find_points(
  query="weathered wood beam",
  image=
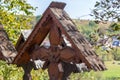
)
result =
(7, 50)
(27, 71)
(59, 5)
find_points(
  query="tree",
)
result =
(105, 10)
(14, 16)
(115, 27)
(92, 24)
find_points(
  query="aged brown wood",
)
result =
(68, 47)
(7, 50)
(1, 56)
(8, 53)
(27, 69)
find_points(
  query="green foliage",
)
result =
(113, 73)
(103, 54)
(92, 24)
(86, 76)
(40, 75)
(86, 30)
(116, 53)
(113, 70)
(14, 16)
(105, 10)
(93, 38)
(12, 72)
(89, 31)
(102, 31)
(115, 27)
(9, 72)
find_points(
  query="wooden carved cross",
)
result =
(68, 47)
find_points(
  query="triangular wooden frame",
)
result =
(56, 15)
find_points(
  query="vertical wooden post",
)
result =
(54, 72)
(27, 71)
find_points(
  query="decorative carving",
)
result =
(68, 51)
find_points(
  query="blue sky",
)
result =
(75, 8)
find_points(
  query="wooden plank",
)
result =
(58, 16)
(59, 5)
(72, 30)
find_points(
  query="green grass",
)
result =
(113, 69)
(112, 73)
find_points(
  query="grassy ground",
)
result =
(113, 70)
(113, 73)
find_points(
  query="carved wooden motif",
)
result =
(68, 47)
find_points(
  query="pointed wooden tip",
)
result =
(60, 5)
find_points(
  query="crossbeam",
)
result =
(67, 45)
